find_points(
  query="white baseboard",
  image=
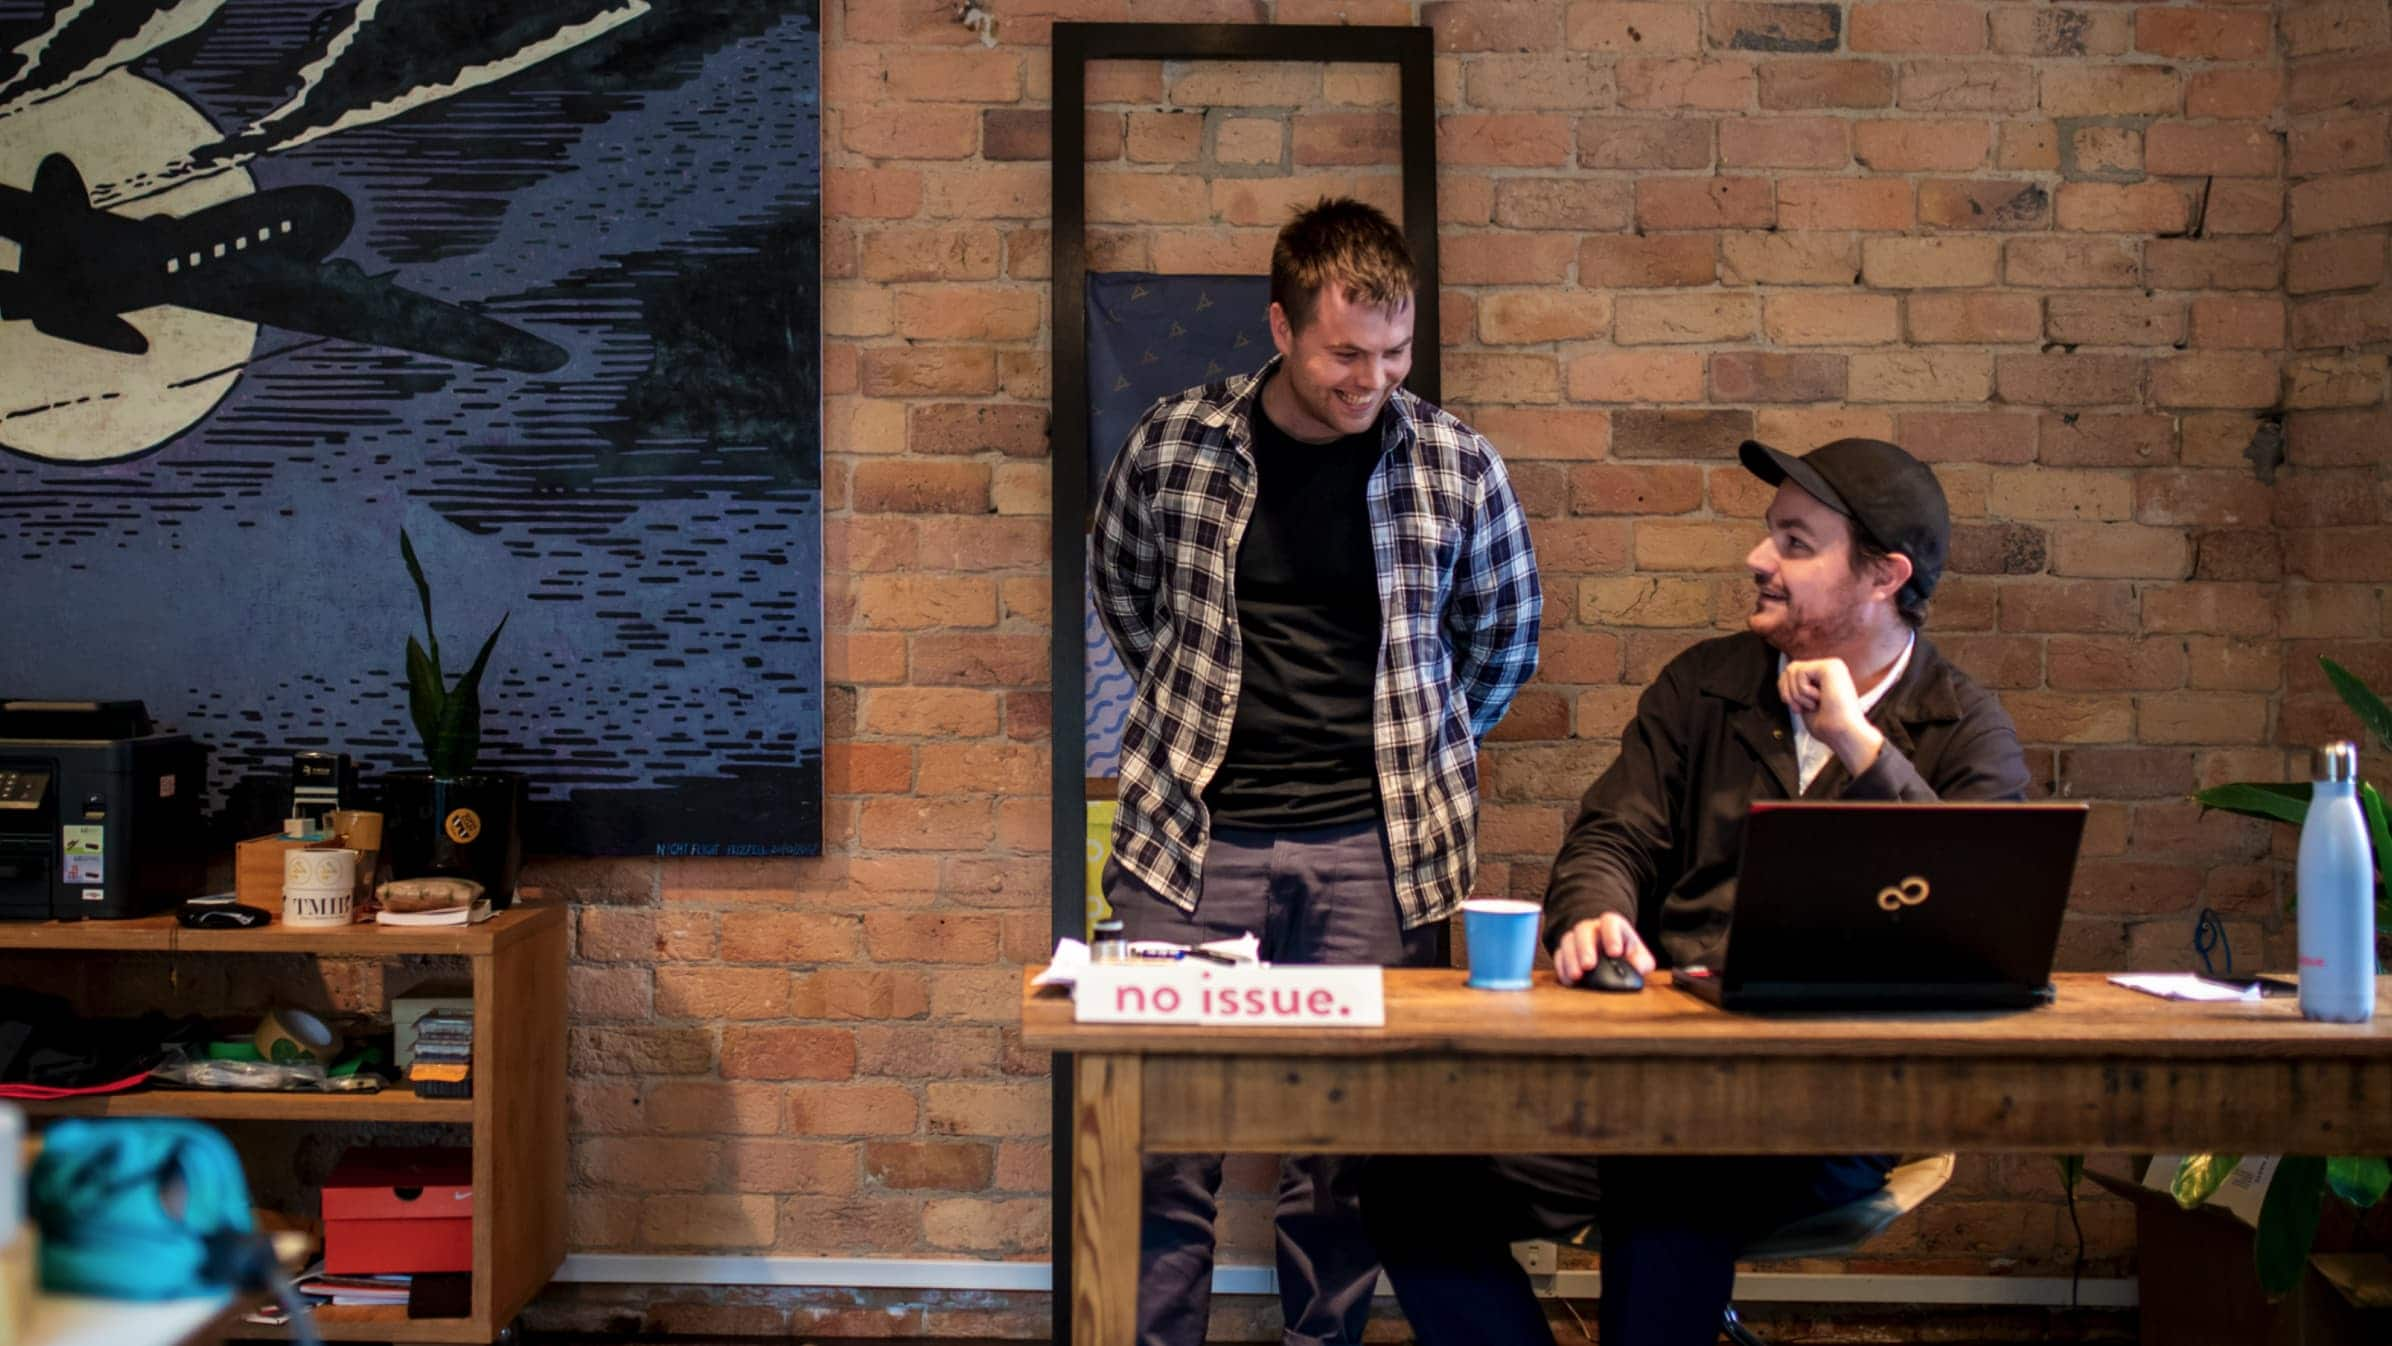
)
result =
(902, 1273)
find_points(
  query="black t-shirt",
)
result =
(1308, 615)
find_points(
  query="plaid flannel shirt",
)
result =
(1459, 608)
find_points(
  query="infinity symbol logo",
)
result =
(1908, 893)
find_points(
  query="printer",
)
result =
(99, 813)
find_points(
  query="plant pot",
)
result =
(466, 826)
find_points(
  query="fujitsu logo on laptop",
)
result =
(1908, 893)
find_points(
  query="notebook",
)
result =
(1859, 906)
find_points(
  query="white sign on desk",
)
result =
(1217, 996)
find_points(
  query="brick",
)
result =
(1933, 26)
(1616, 488)
(990, 75)
(1875, 204)
(1644, 601)
(1969, 436)
(1784, 142)
(1514, 140)
(1581, 205)
(2338, 438)
(785, 937)
(708, 1222)
(1248, 140)
(910, 131)
(926, 825)
(950, 253)
(1831, 319)
(2061, 32)
(2347, 201)
(2334, 611)
(2238, 554)
(2331, 381)
(2234, 93)
(2211, 264)
(1533, 316)
(2203, 34)
(2068, 380)
(2111, 91)
(1668, 544)
(779, 1053)
(1719, 86)
(1753, 376)
(1967, 86)
(2047, 717)
(772, 1165)
(1974, 317)
(968, 313)
(1589, 546)
(1021, 134)
(2108, 320)
(1659, 319)
(1743, 26)
(1930, 263)
(2343, 320)
(913, 487)
(721, 993)
(1995, 661)
(2123, 208)
(1507, 259)
(913, 1165)
(1524, 433)
(2339, 555)
(2070, 264)
(1633, 261)
(1344, 138)
(2215, 380)
(2075, 606)
(1626, 26)
(1160, 137)
(2240, 323)
(1910, 146)
(2028, 147)
(1493, 25)
(1679, 434)
(2337, 262)
(2035, 493)
(872, 193)
(1146, 198)
(2347, 81)
(1800, 86)
(2338, 144)
(1553, 80)
(1636, 376)
(2206, 496)
(2338, 25)
(1788, 258)
(2131, 440)
(853, 1110)
(1641, 142)
(2201, 718)
(2114, 663)
(1922, 376)
(2132, 888)
(2210, 609)
(1502, 378)
(2222, 149)
(2120, 551)
(858, 994)
(1984, 203)
(2102, 150)
(1739, 493)
(1705, 203)
(977, 427)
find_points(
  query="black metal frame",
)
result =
(1412, 52)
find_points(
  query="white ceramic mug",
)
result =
(318, 886)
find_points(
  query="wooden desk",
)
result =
(1557, 1070)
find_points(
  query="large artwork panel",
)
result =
(537, 282)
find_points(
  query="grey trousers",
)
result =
(1322, 895)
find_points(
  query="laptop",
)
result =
(1879, 906)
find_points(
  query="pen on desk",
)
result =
(1216, 956)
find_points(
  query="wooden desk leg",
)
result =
(1107, 1128)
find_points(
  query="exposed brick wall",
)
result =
(2082, 257)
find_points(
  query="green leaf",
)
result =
(2072, 1170)
(423, 591)
(2359, 1179)
(2199, 1175)
(458, 742)
(2369, 707)
(426, 697)
(2288, 1222)
(2286, 802)
(2377, 829)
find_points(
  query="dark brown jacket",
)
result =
(1658, 834)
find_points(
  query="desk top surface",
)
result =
(161, 934)
(1432, 1010)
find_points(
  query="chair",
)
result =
(1830, 1233)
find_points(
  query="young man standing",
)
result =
(1830, 694)
(1324, 588)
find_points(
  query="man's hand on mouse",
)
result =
(1588, 942)
(1821, 692)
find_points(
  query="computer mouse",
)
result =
(1612, 974)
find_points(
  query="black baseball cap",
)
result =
(1892, 498)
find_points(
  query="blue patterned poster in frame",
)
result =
(537, 282)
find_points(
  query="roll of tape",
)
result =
(291, 1035)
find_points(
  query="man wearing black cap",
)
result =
(1831, 693)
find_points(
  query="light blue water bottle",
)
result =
(2336, 882)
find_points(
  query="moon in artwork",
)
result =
(63, 401)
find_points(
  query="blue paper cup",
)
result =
(1502, 934)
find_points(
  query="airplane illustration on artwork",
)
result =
(258, 258)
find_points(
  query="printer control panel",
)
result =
(23, 790)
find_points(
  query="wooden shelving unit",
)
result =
(517, 1112)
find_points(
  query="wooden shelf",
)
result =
(369, 1322)
(398, 1104)
(160, 934)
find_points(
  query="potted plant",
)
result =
(451, 818)
(2295, 1197)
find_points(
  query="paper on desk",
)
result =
(2182, 986)
(1070, 956)
(1064, 968)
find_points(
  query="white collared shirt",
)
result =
(1810, 755)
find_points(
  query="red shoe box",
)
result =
(388, 1211)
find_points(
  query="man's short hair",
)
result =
(1344, 242)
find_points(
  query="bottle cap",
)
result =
(1111, 926)
(2335, 762)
